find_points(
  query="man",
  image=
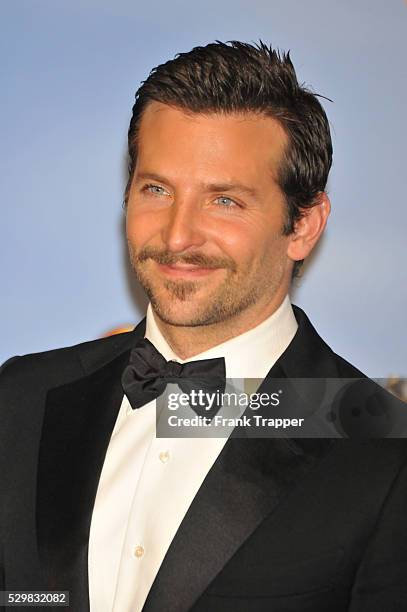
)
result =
(229, 159)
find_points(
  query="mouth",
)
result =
(183, 270)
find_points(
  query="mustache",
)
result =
(167, 258)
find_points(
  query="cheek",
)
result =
(244, 241)
(140, 227)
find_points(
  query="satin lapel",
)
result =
(245, 485)
(79, 418)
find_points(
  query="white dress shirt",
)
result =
(147, 483)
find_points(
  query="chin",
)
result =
(186, 305)
(178, 313)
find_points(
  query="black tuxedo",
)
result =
(314, 525)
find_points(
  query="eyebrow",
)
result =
(209, 187)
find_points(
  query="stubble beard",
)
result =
(227, 301)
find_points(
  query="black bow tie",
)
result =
(148, 373)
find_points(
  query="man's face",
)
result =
(205, 216)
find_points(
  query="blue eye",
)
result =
(226, 202)
(156, 189)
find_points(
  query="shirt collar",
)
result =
(249, 355)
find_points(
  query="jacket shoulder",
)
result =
(58, 365)
(346, 369)
(309, 356)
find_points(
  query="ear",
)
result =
(308, 228)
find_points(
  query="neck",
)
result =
(187, 341)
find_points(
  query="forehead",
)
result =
(233, 143)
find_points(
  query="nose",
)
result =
(182, 227)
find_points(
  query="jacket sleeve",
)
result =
(381, 580)
(2, 577)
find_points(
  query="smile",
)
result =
(182, 270)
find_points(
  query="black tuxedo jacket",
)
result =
(316, 525)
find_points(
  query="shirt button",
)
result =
(164, 456)
(138, 551)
